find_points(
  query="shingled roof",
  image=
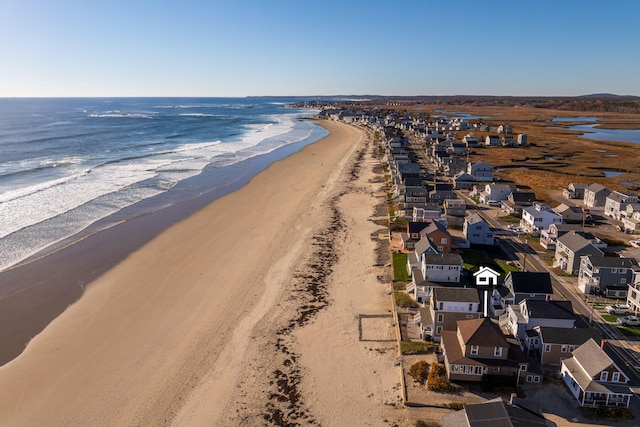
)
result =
(529, 282)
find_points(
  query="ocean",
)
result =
(71, 167)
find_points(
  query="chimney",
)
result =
(602, 343)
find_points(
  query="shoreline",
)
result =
(151, 337)
(55, 276)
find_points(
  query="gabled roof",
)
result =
(417, 226)
(595, 187)
(530, 282)
(475, 218)
(569, 336)
(612, 261)
(574, 241)
(481, 332)
(592, 358)
(523, 196)
(542, 309)
(442, 259)
(495, 413)
(456, 295)
(423, 245)
(434, 226)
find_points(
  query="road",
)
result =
(622, 350)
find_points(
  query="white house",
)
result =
(538, 217)
(480, 171)
(495, 191)
(594, 379)
(530, 313)
(617, 202)
(441, 267)
(477, 231)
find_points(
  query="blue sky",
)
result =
(330, 47)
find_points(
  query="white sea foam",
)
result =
(74, 193)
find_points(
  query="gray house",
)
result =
(556, 344)
(595, 195)
(477, 231)
(574, 191)
(569, 248)
(609, 276)
(519, 285)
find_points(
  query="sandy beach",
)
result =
(247, 312)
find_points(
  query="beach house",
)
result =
(606, 275)
(594, 379)
(478, 351)
(569, 248)
(477, 231)
(595, 195)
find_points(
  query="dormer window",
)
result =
(497, 351)
(474, 350)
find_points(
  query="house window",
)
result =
(443, 240)
(497, 351)
(477, 370)
(523, 367)
(496, 369)
(474, 350)
(536, 378)
(564, 349)
(571, 348)
(547, 348)
(440, 305)
(623, 281)
(529, 378)
(470, 307)
(604, 376)
(440, 318)
(614, 270)
(469, 316)
(438, 330)
(615, 377)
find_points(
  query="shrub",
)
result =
(437, 379)
(422, 423)
(418, 371)
(605, 412)
(456, 406)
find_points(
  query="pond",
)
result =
(611, 174)
(461, 115)
(620, 135)
(575, 119)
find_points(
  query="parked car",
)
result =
(618, 309)
(635, 243)
(629, 321)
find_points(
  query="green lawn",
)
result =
(510, 219)
(473, 259)
(400, 267)
(629, 331)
